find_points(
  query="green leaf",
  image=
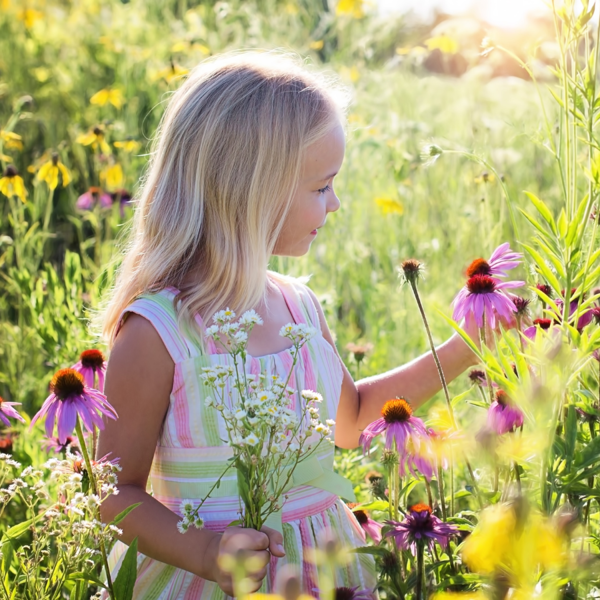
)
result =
(125, 581)
(570, 433)
(535, 223)
(543, 209)
(124, 513)
(543, 268)
(374, 550)
(562, 224)
(375, 505)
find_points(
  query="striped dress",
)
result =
(191, 454)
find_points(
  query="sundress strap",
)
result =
(299, 301)
(158, 308)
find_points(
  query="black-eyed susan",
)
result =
(485, 177)
(96, 138)
(108, 96)
(128, 145)
(50, 171)
(171, 73)
(11, 140)
(12, 184)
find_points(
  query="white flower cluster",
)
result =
(190, 517)
(299, 333)
(231, 333)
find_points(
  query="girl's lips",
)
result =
(313, 232)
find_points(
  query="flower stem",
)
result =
(440, 478)
(413, 285)
(487, 375)
(420, 591)
(88, 466)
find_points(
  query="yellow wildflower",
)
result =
(291, 8)
(516, 545)
(11, 140)
(112, 176)
(105, 96)
(390, 206)
(316, 45)
(29, 16)
(12, 184)
(485, 177)
(94, 138)
(5, 158)
(128, 145)
(443, 43)
(49, 172)
(353, 8)
(172, 72)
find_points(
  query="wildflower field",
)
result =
(488, 491)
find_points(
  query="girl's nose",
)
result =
(333, 202)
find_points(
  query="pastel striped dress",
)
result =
(191, 454)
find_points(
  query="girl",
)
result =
(243, 169)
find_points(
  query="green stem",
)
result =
(88, 466)
(420, 590)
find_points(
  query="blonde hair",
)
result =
(223, 171)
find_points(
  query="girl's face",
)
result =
(315, 197)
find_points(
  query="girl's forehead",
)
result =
(323, 159)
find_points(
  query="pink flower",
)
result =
(70, 399)
(90, 363)
(407, 433)
(503, 259)
(94, 194)
(372, 528)
(53, 443)
(538, 324)
(503, 416)
(7, 410)
(420, 526)
(484, 295)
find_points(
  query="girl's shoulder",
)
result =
(300, 298)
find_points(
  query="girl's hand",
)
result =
(254, 544)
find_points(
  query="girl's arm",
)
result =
(139, 379)
(361, 402)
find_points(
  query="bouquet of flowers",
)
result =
(270, 426)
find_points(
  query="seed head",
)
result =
(481, 284)
(420, 507)
(389, 458)
(502, 398)
(67, 382)
(412, 269)
(397, 410)
(545, 288)
(10, 171)
(93, 359)
(543, 323)
(522, 305)
(479, 266)
(477, 377)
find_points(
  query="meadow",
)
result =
(82, 89)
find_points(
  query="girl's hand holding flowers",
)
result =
(247, 549)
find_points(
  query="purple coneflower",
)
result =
(417, 461)
(503, 259)
(69, 399)
(399, 426)
(347, 593)
(92, 196)
(371, 527)
(477, 377)
(585, 317)
(420, 526)
(484, 294)
(503, 416)
(7, 410)
(53, 443)
(92, 362)
(538, 324)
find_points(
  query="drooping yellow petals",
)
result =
(171, 73)
(12, 185)
(50, 171)
(352, 8)
(94, 138)
(11, 140)
(112, 176)
(108, 96)
(390, 206)
(128, 145)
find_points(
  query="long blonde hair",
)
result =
(224, 168)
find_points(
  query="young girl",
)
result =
(243, 169)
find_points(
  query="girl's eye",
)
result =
(325, 189)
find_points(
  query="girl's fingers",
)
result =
(275, 541)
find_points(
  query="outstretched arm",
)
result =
(361, 402)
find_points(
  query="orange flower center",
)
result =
(502, 398)
(479, 266)
(92, 358)
(481, 284)
(361, 516)
(67, 382)
(420, 507)
(396, 411)
(543, 323)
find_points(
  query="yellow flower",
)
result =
(11, 140)
(443, 43)
(516, 545)
(112, 176)
(128, 145)
(172, 72)
(29, 16)
(485, 177)
(5, 158)
(12, 184)
(94, 138)
(316, 45)
(49, 172)
(352, 73)
(105, 96)
(353, 8)
(390, 206)
(402, 50)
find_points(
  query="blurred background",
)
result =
(83, 85)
